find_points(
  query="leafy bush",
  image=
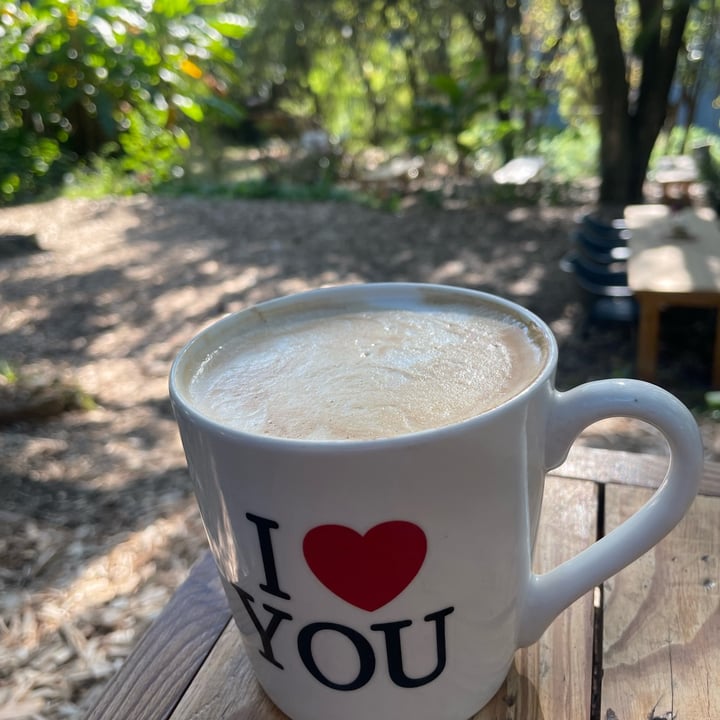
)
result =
(94, 77)
(454, 106)
(572, 152)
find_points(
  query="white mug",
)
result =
(392, 578)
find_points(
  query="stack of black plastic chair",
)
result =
(597, 258)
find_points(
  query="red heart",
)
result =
(369, 570)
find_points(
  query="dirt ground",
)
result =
(97, 521)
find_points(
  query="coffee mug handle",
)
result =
(550, 593)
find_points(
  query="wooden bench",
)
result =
(646, 645)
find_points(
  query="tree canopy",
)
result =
(479, 80)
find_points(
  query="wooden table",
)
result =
(645, 646)
(675, 261)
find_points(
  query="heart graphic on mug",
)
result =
(370, 570)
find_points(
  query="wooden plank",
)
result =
(626, 468)
(225, 687)
(662, 619)
(165, 661)
(551, 679)
(648, 335)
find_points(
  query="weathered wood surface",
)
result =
(226, 688)
(553, 677)
(661, 622)
(662, 619)
(673, 252)
(626, 468)
(156, 675)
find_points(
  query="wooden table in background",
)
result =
(674, 261)
(645, 645)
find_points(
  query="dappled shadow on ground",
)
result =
(123, 284)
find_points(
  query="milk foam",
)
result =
(366, 373)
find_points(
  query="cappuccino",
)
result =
(365, 371)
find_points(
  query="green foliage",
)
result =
(8, 372)
(25, 158)
(389, 73)
(450, 108)
(266, 189)
(572, 153)
(110, 95)
(92, 77)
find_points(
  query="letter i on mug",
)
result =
(369, 464)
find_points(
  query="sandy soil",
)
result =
(97, 520)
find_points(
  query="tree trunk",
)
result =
(629, 130)
(495, 27)
(612, 101)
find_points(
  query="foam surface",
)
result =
(365, 374)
